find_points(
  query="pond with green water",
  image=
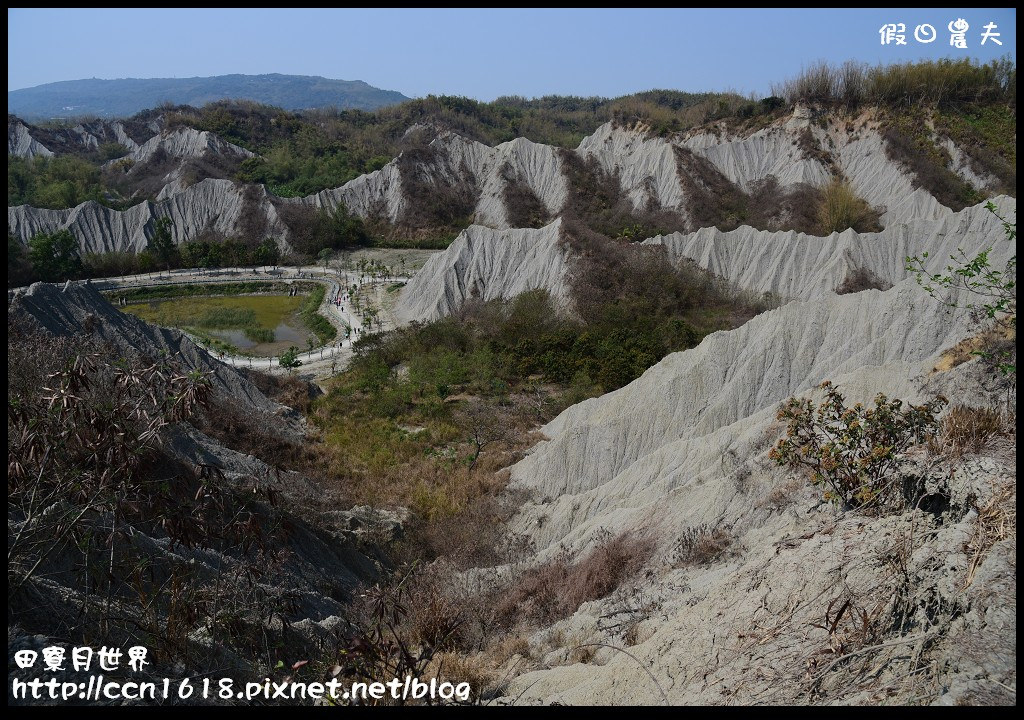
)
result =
(262, 325)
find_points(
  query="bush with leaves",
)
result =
(161, 243)
(290, 358)
(995, 288)
(54, 256)
(857, 452)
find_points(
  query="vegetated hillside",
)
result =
(133, 449)
(816, 161)
(613, 486)
(306, 152)
(656, 537)
(124, 97)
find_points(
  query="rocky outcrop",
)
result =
(652, 172)
(683, 450)
(209, 206)
(29, 141)
(755, 624)
(795, 151)
(798, 266)
(454, 159)
(490, 264)
(91, 135)
(772, 151)
(184, 143)
(78, 309)
(648, 169)
(961, 165)
(684, 447)
(486, 264)
(612, 460)
(173, 160)
(20, 142)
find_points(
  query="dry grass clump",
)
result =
(942, 82)
(782, 494)
(995, 341)
(997, 520)
(556, 589)
(860, 279)
(286, 389)
(226, 421)
(476, 669)
(700, 545)
(967, 430)
(434, 614)
(523, 207)
(841, 209)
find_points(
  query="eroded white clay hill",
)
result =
(487, 264)
(85, 136)
(798, 266)
(652, 172)
(685, 447)
(491, 264)
(929, 598)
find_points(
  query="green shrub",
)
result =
(995, 288)
(54, 256)
(857, 452)
(259, 335)
(991, 291)
(60, 182)
(909, 141)
(112, 151)
(221, 318)
(290, 358)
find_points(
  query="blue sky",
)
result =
(480, 53)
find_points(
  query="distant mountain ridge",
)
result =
(126, 96)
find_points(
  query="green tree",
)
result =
(161, 244)
(290, 358)
(267, 252)
(54, 256)
(324, 256)
(59, 182)
(19, 269)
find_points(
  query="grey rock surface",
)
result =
(798, 266)
(646, 167)
(20, 142)
(486, 264)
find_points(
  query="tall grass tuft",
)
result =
(941, 82)
(841, 209)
